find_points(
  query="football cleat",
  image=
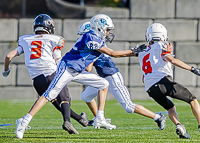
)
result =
(20, 120)
(161, 122)
(67, 126)
(182, 132)
(83, 121)
(91, 122)
(103, 124)
(21, 126)
(199, 127)
(108, 120)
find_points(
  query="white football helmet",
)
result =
(85, 27)
(156, 32)
(100, 23)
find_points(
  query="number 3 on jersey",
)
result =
(36, 52)
(146, 67)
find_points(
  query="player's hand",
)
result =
(138, 48)
(6, 73)
(195, 71)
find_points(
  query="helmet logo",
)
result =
(87, 27)
(103, 22)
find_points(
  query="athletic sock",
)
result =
(100, 114)
(75, 116)
(157, 117)
(27, 119)
(65, 110)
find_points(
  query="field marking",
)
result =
(2, 125)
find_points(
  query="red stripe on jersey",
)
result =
(169, 50)
(57, 47)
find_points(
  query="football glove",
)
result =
(6, 73)
(195, 71)
(138, 48)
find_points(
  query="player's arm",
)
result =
(57, 51)
(7, 61)
(57, 56)
(177, 62)
(123, 53)
(181, 64)
(167, 56)
(112, 53)
(89, 67)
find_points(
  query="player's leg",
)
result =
(61, 79)
(121, 93)
(41, 84)
(159, 91)
(185, 95)
(101, 84)
(64, 100)
(196, 110)
(93, 107)
(88, 96)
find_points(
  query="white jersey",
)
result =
(38, 52)
(152, 63)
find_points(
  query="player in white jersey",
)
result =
(106, 68)
(42, 54)
(155, 63)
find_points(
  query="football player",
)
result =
(42, 54)
(155, 63)
(105, 67)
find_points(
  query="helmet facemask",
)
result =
(110, 37)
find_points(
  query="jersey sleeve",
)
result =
(60, 44)
(93, 42)
(20, 50)
(166, 49)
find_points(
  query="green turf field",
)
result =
(46, 125)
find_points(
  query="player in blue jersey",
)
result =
(87, 49)
(105, 67)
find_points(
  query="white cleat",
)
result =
(20, 120)
(108, 120)
(20, 128)
(103, 124)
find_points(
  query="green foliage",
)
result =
(111, 3)
(46, 125)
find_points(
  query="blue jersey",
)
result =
(105, 66)
(84, 52)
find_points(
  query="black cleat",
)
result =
(83, 121)
(67, 126)
(161, 122)
(199, 127)
(182, 132)
(90, 122)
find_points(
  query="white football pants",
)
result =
(117, 88)
(65, 74)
